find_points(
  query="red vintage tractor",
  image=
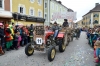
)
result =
(45, 41)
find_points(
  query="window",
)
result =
(60, 10)
(96, 15)
(45, 4)
(57, 8)
(52, 6)
(1, 4)
(40, 2)
(21, 9)
(31, 11)
(45, 16)
(39, 13)
(31, 1)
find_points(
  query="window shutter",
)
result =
(33, 12)
(41, 13)
(18, 9)
(24, 10)
(29, 11)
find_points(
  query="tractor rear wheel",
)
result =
(62, 46)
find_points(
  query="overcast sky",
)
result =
(80, 6)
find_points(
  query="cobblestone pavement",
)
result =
(78, 53)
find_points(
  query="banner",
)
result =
(71, 16)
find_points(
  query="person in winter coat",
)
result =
(56, 30)
(2, 37)
(65, 23)
(8, 37)
(15, 41)
(12, 34)
(27, 27)
(96, 53)
(31, 30)
(77, 31)
(24, 38)
(55, 27)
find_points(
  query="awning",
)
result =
(31, 18)
(19, 16)
(42, 20)
(5, 14)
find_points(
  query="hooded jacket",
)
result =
(7, 32)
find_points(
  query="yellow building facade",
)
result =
(34, 8)
(79, 23)
(86, 20)
(92, 18)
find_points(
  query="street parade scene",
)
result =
(49, 33)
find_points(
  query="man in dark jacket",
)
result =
(2, 37)
(31, 30)
(65, 24)
(55, 26)
(56, 29)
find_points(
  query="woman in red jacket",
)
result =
(8, 37)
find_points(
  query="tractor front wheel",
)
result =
(51, 53)
(29, 50)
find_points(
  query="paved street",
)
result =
(78, 53)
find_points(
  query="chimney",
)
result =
(96, 4)
(59, 2)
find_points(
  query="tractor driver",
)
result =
(56, 29)
(65, 23)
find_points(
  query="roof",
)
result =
(70, 10)
(95, 9)
(59, 2)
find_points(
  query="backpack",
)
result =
(98, 52)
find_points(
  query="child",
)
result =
(96, 46)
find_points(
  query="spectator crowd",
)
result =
(13, 36)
